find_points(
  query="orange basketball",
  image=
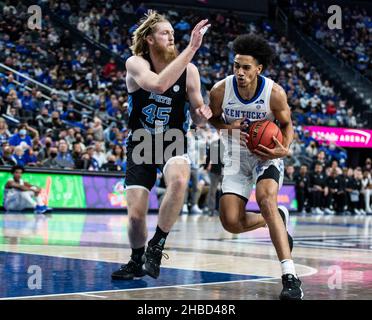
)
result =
(262, 132)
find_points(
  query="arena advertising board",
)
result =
(78, 191)
(286, 197)
(102, 192)
(343, 137)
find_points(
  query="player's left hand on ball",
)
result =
(265, 153)
(204, 112)
(244, 137)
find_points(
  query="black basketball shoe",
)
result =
(284, 213)
(291, 288)
(128, 271)
(152, 259)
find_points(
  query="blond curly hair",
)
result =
(147, 26)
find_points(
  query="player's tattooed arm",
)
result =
(139, 73)
(281, 111)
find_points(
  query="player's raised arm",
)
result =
(139, 69)
(200, 113)
(215, 103)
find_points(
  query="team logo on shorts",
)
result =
(176, 88)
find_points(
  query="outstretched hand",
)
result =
(197, 34)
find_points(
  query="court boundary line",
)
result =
(313, 271)
(132, 289)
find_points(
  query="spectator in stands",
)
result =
(120, 140)
(320, 159)
(64, 157)
(27, 102)
(111, 165)
(51, 160)
(307, 138)
(368, 165)
(367, 190)
(214, 167)
(289, 174)
(203, 190)
(19, 156)
(6, 157)
(352, 45)
(317, 188)
(351, 120)
(43, 120)
(127, 8)
(99, 153)
(297, 146)
(120, 156)
(89, 139)
(311, 149)
(4, 132)
(57, 125)
(193, 153)
(359, 206)
(335, 200)
(76, 152)
(22, 136)
(80, 140)
(94, 164)
(141, 11)
(337, 153)
(302, 188)
(101, 113)
(352, 189)
(97, 129)
(109, 68)
(85, 162)
(70, 137)
(46, 143)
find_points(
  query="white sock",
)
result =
(39, 200)
(288, 267)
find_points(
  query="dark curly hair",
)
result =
(17, 167)
(255, 46)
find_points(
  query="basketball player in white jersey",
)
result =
(244, 97)
(20, 195)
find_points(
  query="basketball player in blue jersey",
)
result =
(159, 81)
(244, 97)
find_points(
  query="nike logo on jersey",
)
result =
(260, 101)
(230, 103)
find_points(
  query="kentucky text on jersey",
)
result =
(256, 108)
(245, 114)
(161, 99)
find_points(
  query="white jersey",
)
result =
(235, 107)
(243, 168)
(11, 191)
(15, 199)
